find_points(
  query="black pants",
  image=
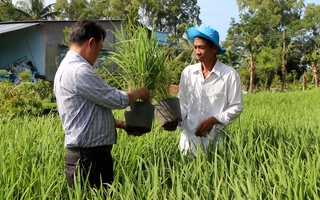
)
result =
(93, 165)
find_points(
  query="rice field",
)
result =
(270, 152)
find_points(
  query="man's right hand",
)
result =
(145, 93)
(141, 93)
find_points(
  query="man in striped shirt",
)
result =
(85, 103)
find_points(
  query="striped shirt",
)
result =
(85, 102)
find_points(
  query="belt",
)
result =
(104, 148)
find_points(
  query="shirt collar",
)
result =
(216, 68)
(78, 56)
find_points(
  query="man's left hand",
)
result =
(122, 124)
(205, 126)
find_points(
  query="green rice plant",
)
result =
(141, 59)
(270, 152)
(30, 154)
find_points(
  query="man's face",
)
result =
(93, 48)
(96, 47)
(202, 50)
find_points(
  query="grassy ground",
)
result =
(271, 152)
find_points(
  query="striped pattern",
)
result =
(85, 102)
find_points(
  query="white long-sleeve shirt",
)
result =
(218, 95)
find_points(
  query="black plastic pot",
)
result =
(168, 111)
(139, 117)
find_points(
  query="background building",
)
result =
(40, 43)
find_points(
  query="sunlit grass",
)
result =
(271, 152)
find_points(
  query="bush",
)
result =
(25, 98)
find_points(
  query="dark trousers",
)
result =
(93, 165)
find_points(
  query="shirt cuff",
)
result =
(125, 98)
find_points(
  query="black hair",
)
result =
(84, 30)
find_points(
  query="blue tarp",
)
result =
(13, 75)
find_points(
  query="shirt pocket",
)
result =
(216, 97)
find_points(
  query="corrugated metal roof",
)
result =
(5, 28)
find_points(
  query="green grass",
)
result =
(270, 152)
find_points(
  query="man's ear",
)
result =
(90, 42)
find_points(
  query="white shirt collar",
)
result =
(216, 68)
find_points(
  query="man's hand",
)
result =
(172, 126)
(141, 93)
(135, 133)
(122, 124)
(205, 126)
(145, 94)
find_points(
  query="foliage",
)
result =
(141, 59)
(167, 15)
(266, 79)
(245, 77)
(261, 150)
(162, 15)
(35, 10)
(271, 19)
(269, 57)
(25, 98)
(230, 58)
(112, 76)
(179, 53)
(175, 67)
(62, 7)
(66, 32)
(7, 11)
(267, 19)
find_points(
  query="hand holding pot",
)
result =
(122, 124)
(145, 93)
(172, 126)
(141, 93)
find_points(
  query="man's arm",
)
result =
(122, 124)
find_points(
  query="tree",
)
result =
(267, 18)
(167, 15)
(252, 45)
(268, 60)
(35, 10)
(7, 11)
(162, 15)
(230, 58)
(311, 22)
(63, 7)
(73, 10)
(179, 53)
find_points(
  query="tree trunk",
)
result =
(251, 74)
(315, 73)
(284, 61)
(304, 81)
(266, 83)
(284, 72)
